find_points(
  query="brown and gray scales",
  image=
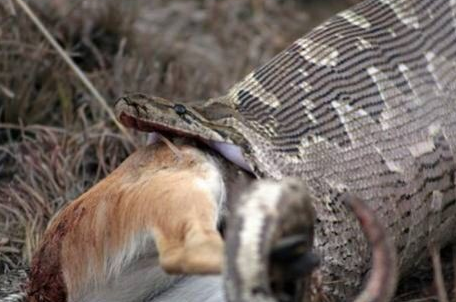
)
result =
(366, 103)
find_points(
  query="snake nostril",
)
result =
(180, 109)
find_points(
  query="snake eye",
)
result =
(180, 109)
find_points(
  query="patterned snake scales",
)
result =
(365, 104)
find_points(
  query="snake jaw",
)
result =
(154, 114)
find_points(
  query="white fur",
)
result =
(212, 180)
(147, 282)
(194, 289)
(136, 246)
(266, 195)
(142, 281)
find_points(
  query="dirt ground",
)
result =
(56, 140)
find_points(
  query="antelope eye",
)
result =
(180, 109)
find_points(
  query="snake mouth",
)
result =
(151, 127)
(231, 152)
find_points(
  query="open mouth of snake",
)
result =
(232, 153)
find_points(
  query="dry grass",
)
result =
(51, 166)
(55, 139)
(176, 49)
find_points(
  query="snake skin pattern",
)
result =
(366, 104)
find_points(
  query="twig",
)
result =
(454, 273)
(7, 92)
(31, 127)
(9, 5)
(438, 275)
(96, 94)
(4, 241)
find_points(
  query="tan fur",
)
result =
(154, 192)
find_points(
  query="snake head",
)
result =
(210, 122)
(195, 120)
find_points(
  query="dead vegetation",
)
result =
(56, 140)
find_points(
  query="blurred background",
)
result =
(55, 138)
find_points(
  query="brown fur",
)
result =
(152, 191)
